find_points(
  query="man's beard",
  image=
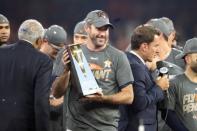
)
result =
(95, 40)
(194, 68)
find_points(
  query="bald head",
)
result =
(30, 30)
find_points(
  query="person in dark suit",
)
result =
(144, 43)
(25, 82)
(176, 66)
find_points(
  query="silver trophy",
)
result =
(85, 80)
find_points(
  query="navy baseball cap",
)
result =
(56, 35)
(160, 25)
(190, 47)
(98, 18)
(3, 19)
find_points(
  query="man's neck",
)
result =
(138, 54)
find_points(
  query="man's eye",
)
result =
(7, 27)
(83, 37)
(76, 37)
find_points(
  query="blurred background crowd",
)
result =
(125, 15)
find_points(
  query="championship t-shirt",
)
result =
(183, 99)
(112, 72)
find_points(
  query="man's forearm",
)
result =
(125, 96)
(60, 85)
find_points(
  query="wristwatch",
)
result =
(52, 97)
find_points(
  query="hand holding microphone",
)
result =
(162, 80)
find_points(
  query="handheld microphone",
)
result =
(162, 68)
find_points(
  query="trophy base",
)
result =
(91, 92)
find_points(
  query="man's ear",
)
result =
(144, 46)
(38, 43)
(187, 59)
(87, 27)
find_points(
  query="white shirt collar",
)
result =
(27, 41)
(138, 56)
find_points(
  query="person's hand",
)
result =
(152, 65)
(56, 102)
(97, 97)
(163, 82)
(66, 60)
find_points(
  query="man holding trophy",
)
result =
(110, 69)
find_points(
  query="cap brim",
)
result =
(173, 69)
(180, 56)
(103, 23)
(56, 46)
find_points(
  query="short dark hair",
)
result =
(143, 34)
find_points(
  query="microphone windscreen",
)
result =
(160, 64)
(162, 68)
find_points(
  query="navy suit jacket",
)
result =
(146, 96)
(24, 88)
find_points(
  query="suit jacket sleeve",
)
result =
(41, 95)
(145, 89)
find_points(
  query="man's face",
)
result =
(80, 38)
(192, 61)
(152, 48)
(164, 48)
(172, 39)
(98, 36)
(4, 32)
(50, 49)
(54, 50)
